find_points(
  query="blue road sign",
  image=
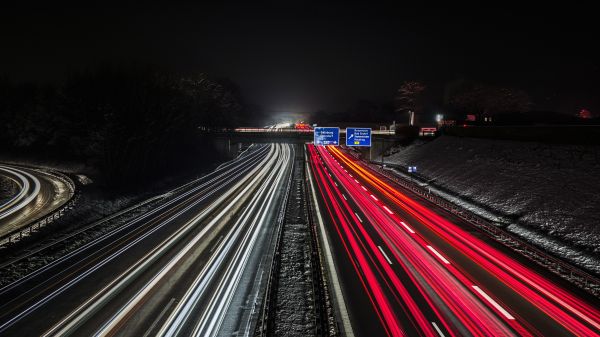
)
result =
(358, 136)
(327, 136)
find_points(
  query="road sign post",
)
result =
(327, 136)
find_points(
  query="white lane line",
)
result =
(494, 303)
(388, 210)
(216, 244)
(335, 183)
(359, 219)
(364, 188)
(356, 181)
(160, 316)
(384, 255)
(350, 175)
(344, 197)
(438, 254)
(438, 329)
(407, 228)
(374, 198)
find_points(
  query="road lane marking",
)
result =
(388, 210)
(356, 181)
(438, 329)
(364, 188)
(344, 197)
(374, 198)
(384, 255)
(335, 183)
(438, 254)
(160, 316)
(359, 219)
(216, 244)
(494, 303)
(407, 228)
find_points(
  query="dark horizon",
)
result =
(305, 58)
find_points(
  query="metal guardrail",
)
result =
(563, 269)
(28, 230)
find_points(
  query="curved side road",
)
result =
(39, 194)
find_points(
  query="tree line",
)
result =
(131, 123)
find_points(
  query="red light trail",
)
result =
(437, 295)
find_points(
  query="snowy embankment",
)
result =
(547, 194)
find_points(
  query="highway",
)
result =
(408, 268)
(193, 266)
(38, 194)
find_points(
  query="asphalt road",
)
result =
(38, 194)
(193, 266)
(409, 269)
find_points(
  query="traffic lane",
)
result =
(409, 310)
(131, 309)
(161, 300)
(52, 311)
(112, 269)
(527, 311)
(243, 313)
(479, 234)
(362, 312)
(107, 245)
(521, 301)
(217, 274)
(134, 226)
(444, 301)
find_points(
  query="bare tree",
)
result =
(410, 99)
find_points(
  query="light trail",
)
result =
(446, 287)
(252, 222)
(230, 182)
(98, 300)
(29, 189)
(565, 309)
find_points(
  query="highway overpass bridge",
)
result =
(232, 140)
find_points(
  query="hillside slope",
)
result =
(548, 194)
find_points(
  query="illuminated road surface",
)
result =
(191, 267)
(38, 194)
(407, 270)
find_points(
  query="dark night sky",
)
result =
(300, 57)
